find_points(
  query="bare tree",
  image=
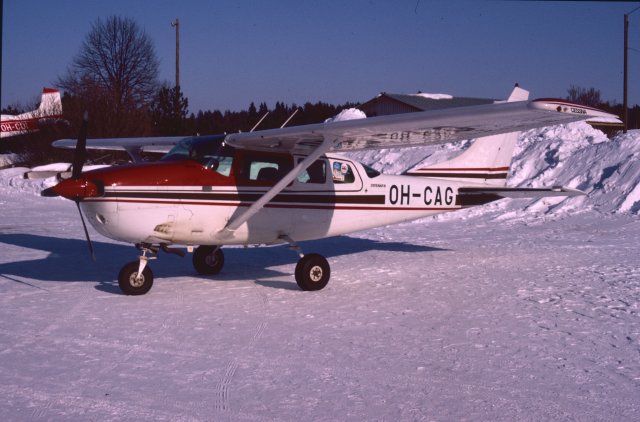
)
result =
(114, 76)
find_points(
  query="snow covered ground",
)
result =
(518, 310)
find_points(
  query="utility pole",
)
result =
(625, 112)
(625, 104)
(176, 24)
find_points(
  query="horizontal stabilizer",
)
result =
(470, 196)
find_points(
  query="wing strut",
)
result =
(242, 218)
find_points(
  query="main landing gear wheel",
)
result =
(208, 260)
(312, 272)
(133, 284)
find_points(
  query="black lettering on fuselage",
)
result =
(448, 196)
(405, 194)
(393, 194)
(400, 195)
(436, 197)
(427, 195)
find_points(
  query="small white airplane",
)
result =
(49, 111)
(285, 186)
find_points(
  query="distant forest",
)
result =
(35, 148)
(209, 122)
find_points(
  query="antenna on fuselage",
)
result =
(259, 121)
(290, 117)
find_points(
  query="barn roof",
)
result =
(422, 103)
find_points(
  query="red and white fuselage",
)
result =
(136, 206)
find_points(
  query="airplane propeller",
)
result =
(86, 232)
(75, 188)
(79, 157)
(80, 154)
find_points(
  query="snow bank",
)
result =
(12, 181)
(574, 155)
(578, 156)
(7, 160)
(53, 167)
(348, 114)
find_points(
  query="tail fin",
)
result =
(486, 161)
(50, 103)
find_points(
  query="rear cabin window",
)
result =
(266, 169)
(342, 172)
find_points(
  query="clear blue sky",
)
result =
(236, 52)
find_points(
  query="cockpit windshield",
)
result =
(210, 151)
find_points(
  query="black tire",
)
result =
(207, 260)
(312, 272)
(127, 279)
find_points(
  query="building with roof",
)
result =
(386, 103)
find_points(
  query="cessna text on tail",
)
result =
(50, 110)
(288, 185)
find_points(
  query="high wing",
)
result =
(418, 129)
(133, 146)
(399, 130)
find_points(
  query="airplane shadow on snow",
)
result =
(69, 260)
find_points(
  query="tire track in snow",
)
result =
(221, 404)
(222, 393)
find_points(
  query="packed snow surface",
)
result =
(518, 310)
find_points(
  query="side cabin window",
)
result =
(265, 169)
(316, 173)
(342, 172)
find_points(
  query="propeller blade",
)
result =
(86, 232)
(80, 154)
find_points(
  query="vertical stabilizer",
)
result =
(50, 103)
(486, 161)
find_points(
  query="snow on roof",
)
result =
(434, 96)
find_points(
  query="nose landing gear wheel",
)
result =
(312, 272)
(208, 260)
(132, 284)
